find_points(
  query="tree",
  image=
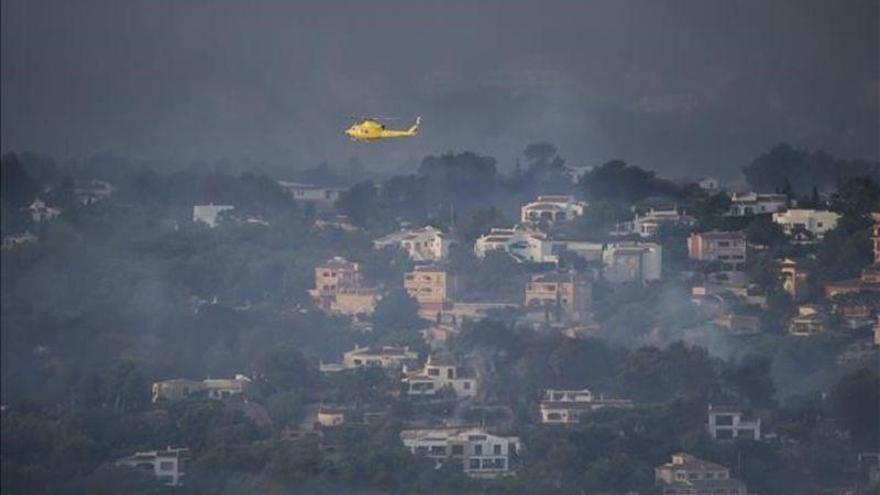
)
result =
(285, 369)
(397, 313)
(480, 222)
(763, 231)
(856, 400)
(803, 170)
(750, 379)
(359, 202)
(619, 181)
(17, 187)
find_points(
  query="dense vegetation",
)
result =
(126, 291)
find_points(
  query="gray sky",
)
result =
(683, 87)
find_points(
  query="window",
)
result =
(693, 476)
(450, 373)
(724, 419)
(358, 362)
(554, 416)
(746, 432)
(467, 385)
(438, 450)
(458, 450)
(166, 466)
(724, 434)
(478, 449)
(433, 372)
(474, 464)
(496, 449)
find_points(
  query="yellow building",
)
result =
(431, 286)
(338, 288)
(567, 294)
(794, 277)
(876, 236)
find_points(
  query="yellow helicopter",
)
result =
(372, 130)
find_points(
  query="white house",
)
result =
(91, 191)
(567, 406)
(209, 213)
(482, 454)
(215, 388)
(39, 211)
(422, 244)
(709, 184)
(728, 423)
(439, 373)
(524, 244)
(632, 262)
(552, 209)
(816, 222)
(388, 357)
(688, 475)
(14, 240)
(648, 223)
(587, 251)
(321, 196)
(166, 465)
(745, 204)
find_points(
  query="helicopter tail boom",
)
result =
(415, 127)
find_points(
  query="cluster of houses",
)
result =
(549, 296)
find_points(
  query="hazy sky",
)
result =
(679, 86)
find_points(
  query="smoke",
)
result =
(694, 87)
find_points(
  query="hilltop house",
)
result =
(15, 240)
(631, 262)
(687, 475)
(875, 237)
(91, 191)
(166, 465)
(809, 320)
(728, 423)
(552, 209)
(746, 204)
(794, 277)
(422, 244)
(481, 454)
(813, 222)
(523, 244)
(322, 197)
(339, 289)
(39, 211)
(439, 373)
(647, 224)
(432, 286)
(585, 250)
(181, 388)
(388, 357)
(709, 184)
(567, 295)
(210, 214)
(567, 406)
(727, 248)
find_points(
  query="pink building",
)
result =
(729, 248)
